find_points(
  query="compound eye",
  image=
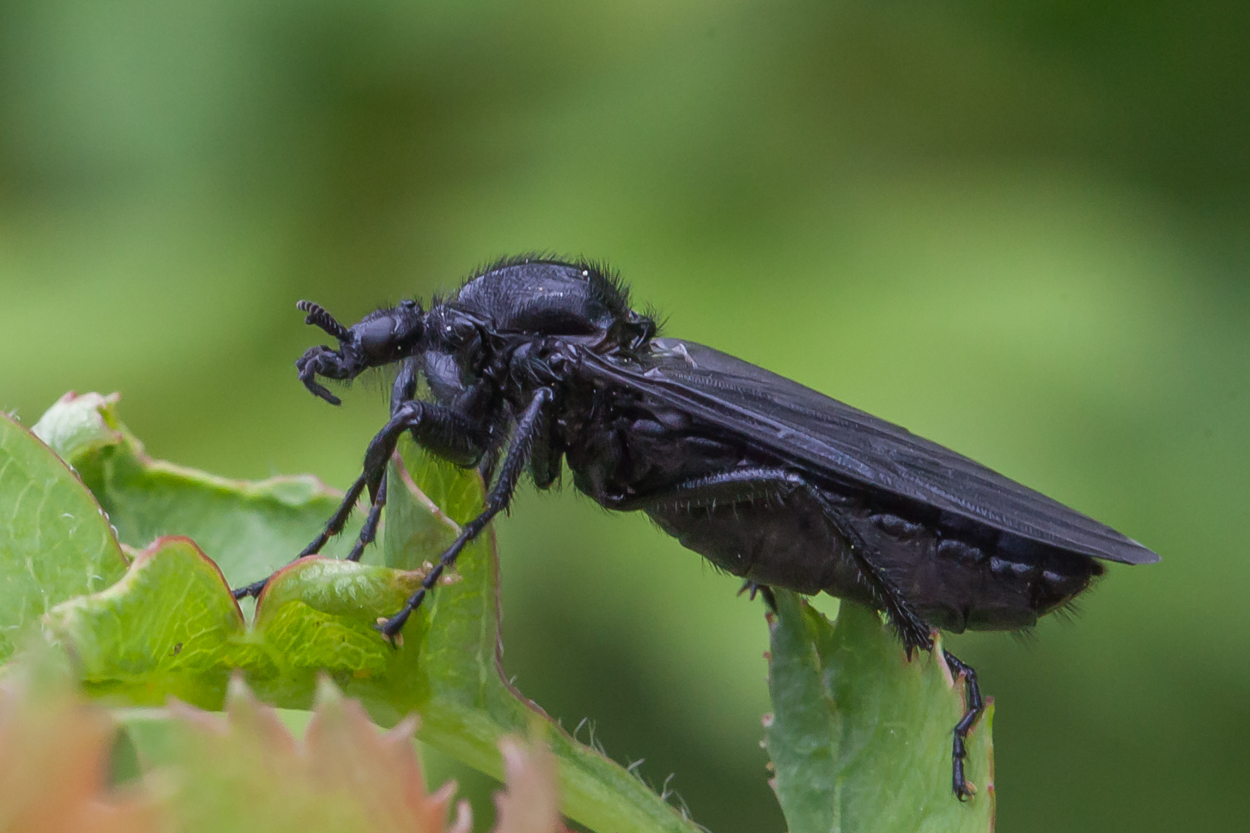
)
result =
(377, 338)
(408, 330)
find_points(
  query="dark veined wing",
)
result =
(823, 434)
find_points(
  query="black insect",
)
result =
(538, 361)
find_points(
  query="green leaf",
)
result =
(318, 615)
(251, 528)
(55, 542)
(861, 736)
(171, 627)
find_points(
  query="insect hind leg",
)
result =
(915, 633)
(911, 628)
(974, 707)
(497, 501)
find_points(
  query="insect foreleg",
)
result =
(500, 495)
(435, 427)
(321, 361)
(405, 386)
(370, 528)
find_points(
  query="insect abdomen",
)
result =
(778, 541)
(997, 584)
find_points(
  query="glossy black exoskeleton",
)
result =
(540, 362)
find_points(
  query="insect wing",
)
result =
(826, 436)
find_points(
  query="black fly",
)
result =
(540, 362)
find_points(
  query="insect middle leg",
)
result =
(514, 463)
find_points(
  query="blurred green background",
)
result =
(1022, 230)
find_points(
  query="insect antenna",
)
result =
(318, 316)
